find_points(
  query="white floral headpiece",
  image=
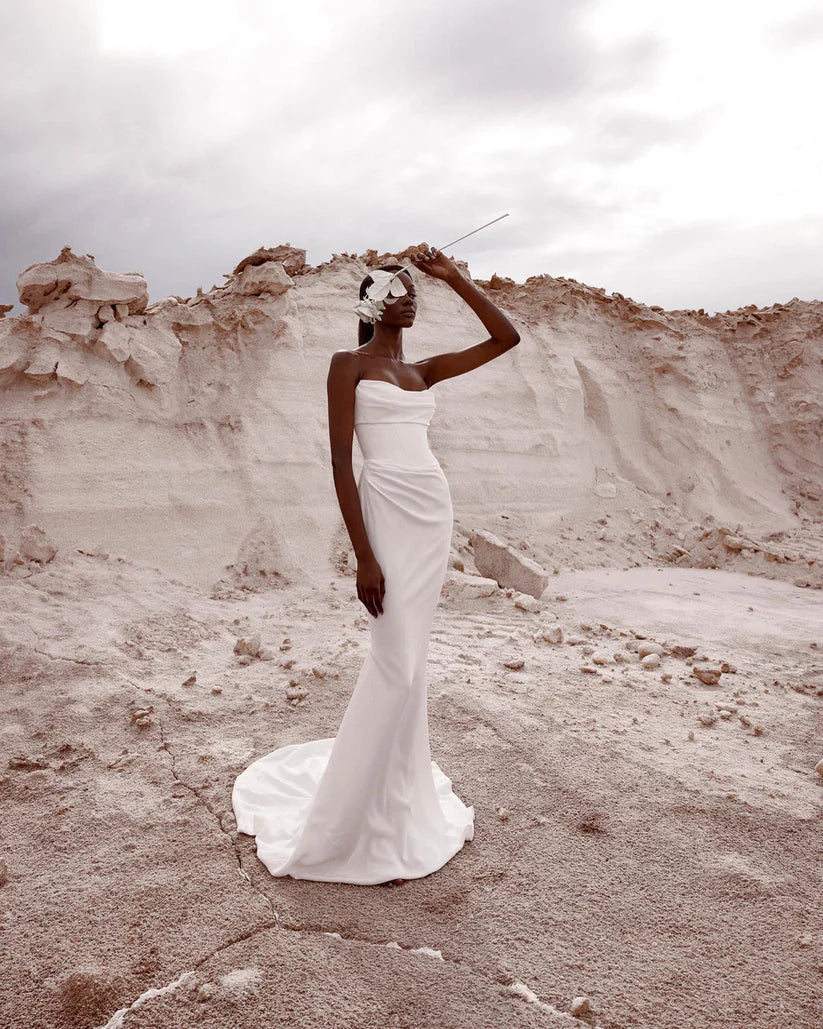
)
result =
(386, 288)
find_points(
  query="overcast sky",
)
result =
(669, 152)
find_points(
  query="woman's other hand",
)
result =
(371, 587)
(435, 263)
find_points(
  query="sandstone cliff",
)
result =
(191, 433)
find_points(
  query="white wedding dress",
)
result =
(370, 805)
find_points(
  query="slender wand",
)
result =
(456, 240)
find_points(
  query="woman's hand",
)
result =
(435, 263)
(371, 587)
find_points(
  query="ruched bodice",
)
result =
(391, 423)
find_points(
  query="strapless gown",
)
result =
(370, 804)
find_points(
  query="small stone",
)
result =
(590, 669)
(580, 1006)
(503, 814)
(206, 992)
(35, 545)
(552, 634)
(600, 657)
(192, 679)
(707, 717)
(515, 664)
(651, 661)
(250, 646)
(650, 648)
(682, 650)
(707, 674)
(819, 767)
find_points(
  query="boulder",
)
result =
(506, 565)
(70, 278)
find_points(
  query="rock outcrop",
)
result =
(176, 432)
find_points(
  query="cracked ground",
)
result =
(643, 839)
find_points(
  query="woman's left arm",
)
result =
(503, 334)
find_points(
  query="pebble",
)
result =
(819, 767)
(580, 1006)
(600, 657)
(552, 633)
(707, 674)
(682, 650)
(650, 648)
(651, 661)
(250, 646)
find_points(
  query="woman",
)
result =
(369, 805)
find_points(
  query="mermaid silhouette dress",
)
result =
(370, 804)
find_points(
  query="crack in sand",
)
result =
(217, 817)
(508, 985)
(118, 1018)
(196, 793)
(513, 987)
(73, 660)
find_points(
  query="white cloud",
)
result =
(665, 152)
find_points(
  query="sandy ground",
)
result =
(643, 839)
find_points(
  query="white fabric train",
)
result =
(370, 805)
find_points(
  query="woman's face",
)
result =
(404, 308)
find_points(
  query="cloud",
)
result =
(178, 144)
(803, 30)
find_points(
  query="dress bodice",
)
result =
(391, 423)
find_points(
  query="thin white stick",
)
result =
(506, 215)
(472, 232)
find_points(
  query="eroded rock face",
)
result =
(82, 323)
(70, 280)
(176, 431)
